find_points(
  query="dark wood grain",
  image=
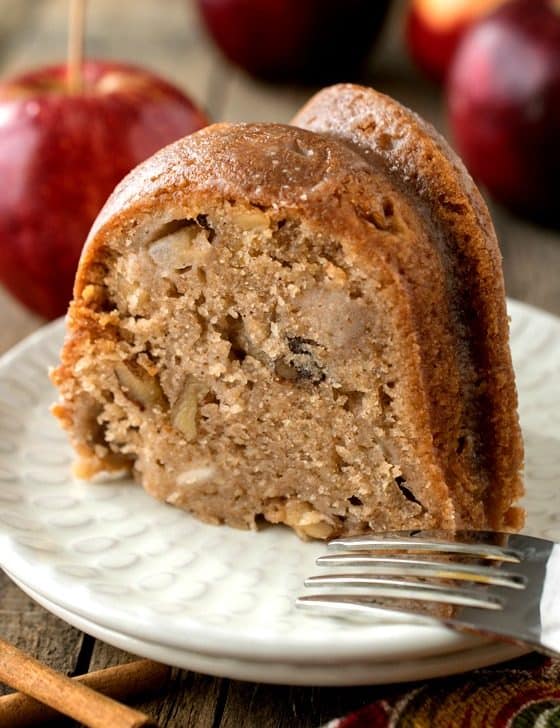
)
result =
(252, 704)
(28, 626)
(190, 698)
(167, 37)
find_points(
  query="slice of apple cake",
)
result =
(268, 326)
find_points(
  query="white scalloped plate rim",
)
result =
(326, 674)
(75, 552)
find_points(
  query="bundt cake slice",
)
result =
(267, 325)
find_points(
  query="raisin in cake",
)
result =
(272, 324)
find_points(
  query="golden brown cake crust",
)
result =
(413, 153)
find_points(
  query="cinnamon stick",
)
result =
(73, 697)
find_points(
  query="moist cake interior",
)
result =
(240, 335)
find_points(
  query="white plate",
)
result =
(115, 557)
(285, 673)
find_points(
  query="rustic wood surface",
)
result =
(166, 36)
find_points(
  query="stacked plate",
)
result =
(152, 580)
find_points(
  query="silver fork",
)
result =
(505, 586)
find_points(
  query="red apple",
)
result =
(435, 27)
(504, 104)
(298, 40)
(61, 154)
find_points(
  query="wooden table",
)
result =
(166, 37)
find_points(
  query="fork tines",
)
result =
(399, 566)
(396, 567)
(412, 544)
(498, 585)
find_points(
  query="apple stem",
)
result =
(75, 57)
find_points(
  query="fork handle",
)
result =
(24, 673)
